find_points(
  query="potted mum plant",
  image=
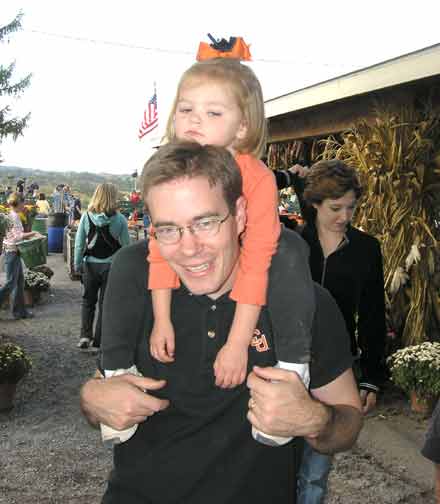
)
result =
(14, 365)
(35, 283)
(416, 370)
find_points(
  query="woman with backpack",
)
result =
(102, 231)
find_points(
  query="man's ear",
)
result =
(240, 213)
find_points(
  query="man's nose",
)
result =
(190, 245)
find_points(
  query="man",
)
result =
(58, 202)
(75, 209)
(20, 186)
(66, 198)
(194, 443)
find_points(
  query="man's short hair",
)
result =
(179, 160)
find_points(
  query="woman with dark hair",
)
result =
(348, 263)
(14, 270)
(102, 231)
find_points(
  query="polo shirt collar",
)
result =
(206, 300)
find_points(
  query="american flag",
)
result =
(151, 118)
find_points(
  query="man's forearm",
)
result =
(340, 430)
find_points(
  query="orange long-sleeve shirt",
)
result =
(259, 242)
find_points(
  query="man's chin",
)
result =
(199, 288)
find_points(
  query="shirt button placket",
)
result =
(211, 332)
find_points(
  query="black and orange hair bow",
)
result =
(236, 48)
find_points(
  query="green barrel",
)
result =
(33, 251)
(40, 225)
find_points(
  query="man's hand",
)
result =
(368, 399)
(283, 408)
(122, 401)
(330, 420)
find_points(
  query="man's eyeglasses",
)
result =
(202, 228)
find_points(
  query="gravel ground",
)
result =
(49, 454)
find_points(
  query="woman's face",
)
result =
(334, 214)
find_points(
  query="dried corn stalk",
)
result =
(398, 157)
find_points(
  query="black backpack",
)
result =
(100, 243)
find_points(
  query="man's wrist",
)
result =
(327, 415)
(85, 392)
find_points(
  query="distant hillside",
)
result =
(82, 183)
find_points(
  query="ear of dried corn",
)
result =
(398, 158)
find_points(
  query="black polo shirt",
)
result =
(200, 449)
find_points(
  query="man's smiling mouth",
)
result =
(199, 268)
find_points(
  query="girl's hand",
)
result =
(230, 366)
(162, 341)
(300, 170)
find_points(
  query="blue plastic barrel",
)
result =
(55, 231)
(55, 238)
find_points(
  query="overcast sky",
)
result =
(94, 63)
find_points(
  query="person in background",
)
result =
(431, 448)
(33, 190)
(76, 208)
(20, 186)
(67, 200)
(14, 271)
(58, 203)
(347, 262)
(102, 231)
(134, 197)
(294, 178)
(43, 206)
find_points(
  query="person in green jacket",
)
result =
(102, 231)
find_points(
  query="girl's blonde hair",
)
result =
(15, 199)
(104, 199)
(246, 89)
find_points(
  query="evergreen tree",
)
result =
(10, 125)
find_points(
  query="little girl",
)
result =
(220, 102)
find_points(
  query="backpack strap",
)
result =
(92, 229)
(92, 225)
